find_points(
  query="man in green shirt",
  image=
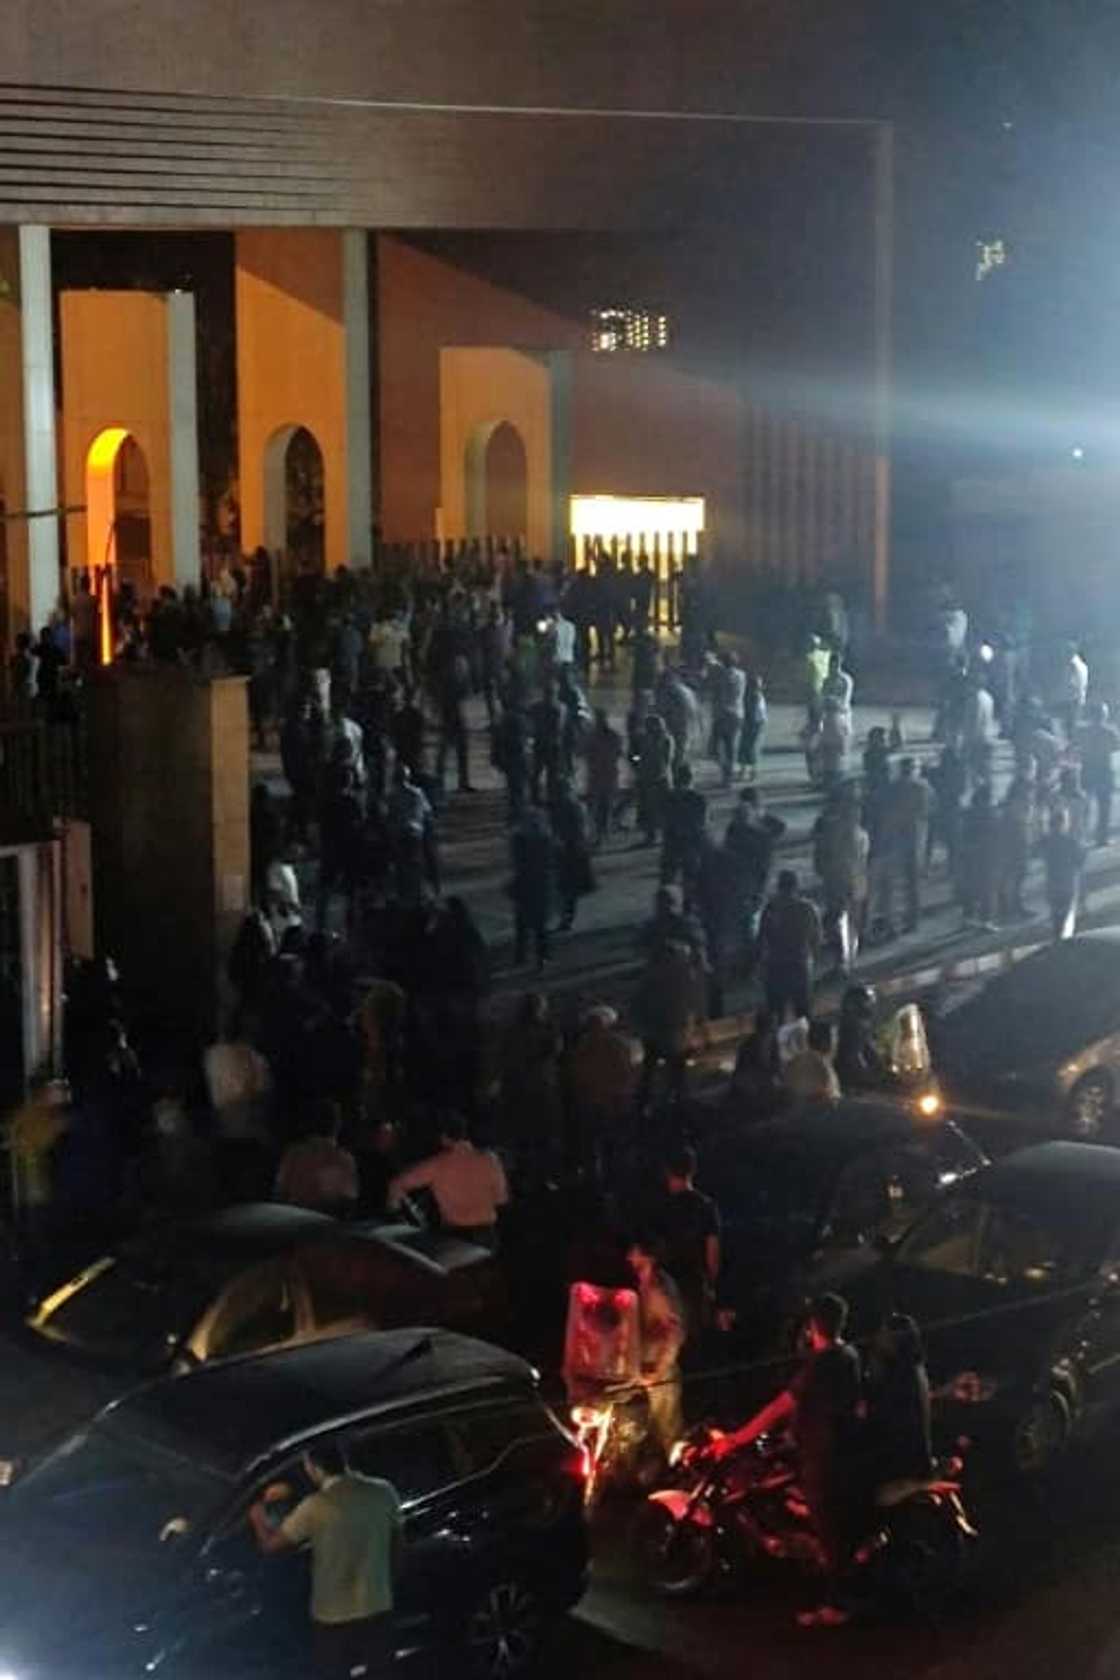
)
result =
(352, 1524)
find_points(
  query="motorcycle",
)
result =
(719, 1514)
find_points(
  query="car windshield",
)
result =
(109, 1493)
(125, 1312)
(999, 1240)
(777, 1186)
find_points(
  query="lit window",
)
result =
(638, 330)
(990, 255)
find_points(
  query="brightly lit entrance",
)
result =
(118, 516)
(665, 529)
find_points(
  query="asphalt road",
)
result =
(1041, 1599)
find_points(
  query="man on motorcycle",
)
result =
(662, 1321)
(822, 1406)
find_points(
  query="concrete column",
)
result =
(884, 358)
(355, 318)
(560, 363)
(182, 393)
(39, 445)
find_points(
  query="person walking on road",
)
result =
(906, 827)
(604, 760)
(1098, 742)
(728, 699)
(840, 853)
(790, 942)
(978, 875)
(1064, 857)
(534, 885)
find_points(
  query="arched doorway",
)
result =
(497, 475)
(507, 483)
(294, 500)
(118, 513)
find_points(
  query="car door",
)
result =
(1093, 1344)
(416, 1459)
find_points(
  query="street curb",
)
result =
(931, 975)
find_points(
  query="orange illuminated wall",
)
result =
(636, 426)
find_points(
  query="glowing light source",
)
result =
(990, 255)
(639, 330)
(640, 521)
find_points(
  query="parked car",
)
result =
(127, 1551)
(241, 1280)
(1040, 1043)
(809, 1190)
(1015, 1277)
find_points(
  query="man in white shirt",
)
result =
(563, 642)
(387, 642)
(469, 1185)
(1073, 690)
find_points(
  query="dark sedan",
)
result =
(1039, 1045)
(127, 1551)
(237, 1281)
(812, 1189)
(1015, 1279)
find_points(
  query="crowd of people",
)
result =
(357, 1067)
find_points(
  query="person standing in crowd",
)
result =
(686, 815)
(495, 647)
(1068, 796)
(840, 855)
(643, 664)
(1064, 857)
(452, 688)
(655, 754)
(817, 665)
(754, 726)
(728, 700)
(353, 1526)
(679, 707)
(601, 1076)
(977, 727)
(316, 1172)
(1098, 742)
(642, 595)
(687, 1224)
(603, 756)
(547, 719)
(670, 1006)
(662, 1321)
(810, 1075)
(1071, 691)
(905, 834)
(406, 731)
(1016, 841)
(949, 779)
(468, 1184)
(574, 877)
(534, 885)
(790, 941)
(410, 827)
(978, 875)
(838, 687)
(509, 754)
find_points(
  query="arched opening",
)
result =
(497, 481)
(294, 501)
(507, 483)
(118, 514)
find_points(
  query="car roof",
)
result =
(1069, 1167)
(247, 1231)
(233, 1413)
(837, 1131)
